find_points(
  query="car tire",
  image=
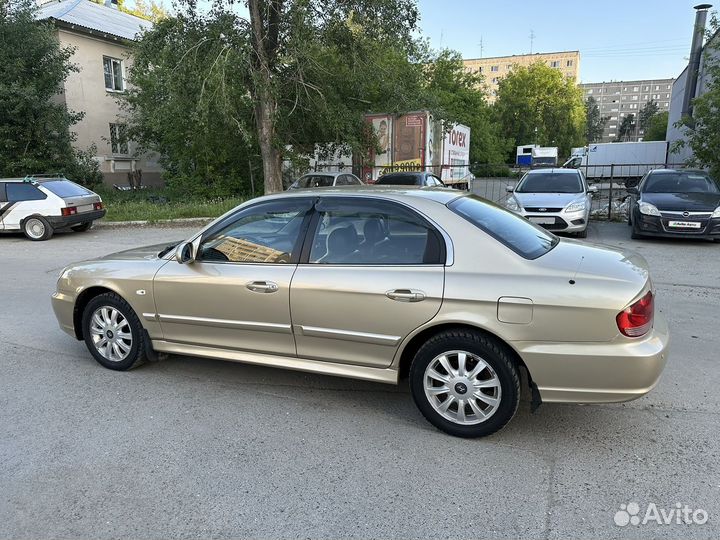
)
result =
(113, 333)
(497, 373)
(82, 227)
(37, 228)
(582, 234)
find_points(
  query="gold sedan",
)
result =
(378, 284)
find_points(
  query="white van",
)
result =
(40, 206)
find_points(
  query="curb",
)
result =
(182, 222)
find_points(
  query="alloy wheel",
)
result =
(111, 333)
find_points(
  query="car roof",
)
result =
(33, 179)
(679, 170)
(443, 195)
(406, 173)
(554, 170)
(325, 173)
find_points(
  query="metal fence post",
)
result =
(610, 191)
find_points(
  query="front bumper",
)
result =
(60, 222)
(561, 221)
(660, 226)
(64, 307)
(621, 370)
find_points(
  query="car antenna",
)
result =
(572, 281)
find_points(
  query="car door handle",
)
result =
(406, 295)
(262, 286)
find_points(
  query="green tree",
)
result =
(627, 128)
(458, 96)
(152, 11)
(35, 125)
(702, 130)
(595, 123)
(537, 104)
(649, 110)
(657, 128)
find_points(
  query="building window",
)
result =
(569, 63)
(479, 69)
(667, 96)
(118, 139)
(509, 66)
(636, 88)
(657, 87)
(555, 63)
(646, 89)
(495, 80)
(590, 91)
(113, 74)
(494, 68)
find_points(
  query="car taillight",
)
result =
(69, 211)
(636, 320)
(98, 206)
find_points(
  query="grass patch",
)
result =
(158, 204)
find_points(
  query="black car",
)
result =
(409, 179)
(676, 202)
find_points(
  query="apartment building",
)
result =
(617, 99)
(100, 35)
(497, 67)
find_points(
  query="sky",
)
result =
(617, 39)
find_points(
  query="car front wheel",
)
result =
(465, 383)
(113, 333)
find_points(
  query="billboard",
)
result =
(456, 154)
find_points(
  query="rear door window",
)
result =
(17, 192)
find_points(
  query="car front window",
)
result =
(517, 233)
(680, 182)
(550, 183)
(315, 180)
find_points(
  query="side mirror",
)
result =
(633, 191)
(509, 189)
(185, 253)
(592, 189)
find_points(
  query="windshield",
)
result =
(517, 233)
(680, 182)
(66, 188)
(399, 180)
(315, 180)
(550, 183)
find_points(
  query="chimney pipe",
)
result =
(695, 57)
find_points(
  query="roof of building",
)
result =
(93, 18)
(537, 54)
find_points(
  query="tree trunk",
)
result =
(264, 119)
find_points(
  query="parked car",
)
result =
(447, 288)
(40, 206)
(556, 199)
(409, 179)
(675, 202)
(325, 179)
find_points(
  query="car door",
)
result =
(23, 199)
(371, 272)
(236, 294)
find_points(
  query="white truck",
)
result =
(417, 142)
(625, 162)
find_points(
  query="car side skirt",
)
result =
(382, 375)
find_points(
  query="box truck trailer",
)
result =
(625, 162)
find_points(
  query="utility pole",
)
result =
(482, 48)
(532, 40)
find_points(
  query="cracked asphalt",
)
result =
(189, 447)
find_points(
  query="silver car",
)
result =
(326, 179)
(556, 199)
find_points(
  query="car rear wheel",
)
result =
(465, 383)
(37, 228)
(113, 333)
(582, 234)
(82, 227)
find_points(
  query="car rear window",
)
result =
(399, 180)
(524, 238)
(680, 182)
(315, 180)
(550, 183)
(66, 188)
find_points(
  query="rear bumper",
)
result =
(59, 222)
(562, 221)
(621, 370)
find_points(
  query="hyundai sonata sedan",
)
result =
(557, 199)
(449, 290)
(675, 202)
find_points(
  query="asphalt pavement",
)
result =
(189, 447)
